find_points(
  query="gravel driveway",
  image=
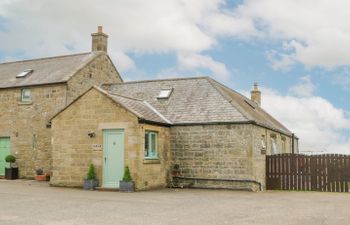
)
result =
(34, 203)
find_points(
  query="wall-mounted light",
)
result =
(91, 134)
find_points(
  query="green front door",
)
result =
(4, 151)
(113, 158)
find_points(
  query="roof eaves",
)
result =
(34, 85)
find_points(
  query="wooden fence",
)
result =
(330, 172)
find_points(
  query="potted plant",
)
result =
(41, 176)
(127, 184)
(90, 183)
(11, 171)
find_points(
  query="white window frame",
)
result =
(165, 93)
(274, 149)
(25, 98)
(151, 149)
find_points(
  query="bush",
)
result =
(10, 159)
(91, 175)
(39, 171)
(127, 176)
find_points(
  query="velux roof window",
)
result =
(165, 93)
(24, 73)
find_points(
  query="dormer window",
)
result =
(165, 93)
(24, 73)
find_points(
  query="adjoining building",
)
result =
(32, 91)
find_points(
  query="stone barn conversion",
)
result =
(212, 135)
(64, 113)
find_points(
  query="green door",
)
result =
(113, 158)
(4, 151)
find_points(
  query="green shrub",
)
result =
(39, 171)
(127, 176)
(10, 159)
(91, 175)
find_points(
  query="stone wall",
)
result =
(262, 135)
(25, 123)
(219, 153)
(73, 151)
(99, 71)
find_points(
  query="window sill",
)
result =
(25, 103)
(151, 161)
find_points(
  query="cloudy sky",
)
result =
(297, 50)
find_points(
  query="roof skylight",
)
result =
(165, 93)
(24, 73)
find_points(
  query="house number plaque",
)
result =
(96, 147)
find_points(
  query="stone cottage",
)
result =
(185, 132)
(32, 91)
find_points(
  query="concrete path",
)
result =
(33, 203)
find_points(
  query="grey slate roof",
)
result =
(46, 70)
(140, 108)
(198, 100)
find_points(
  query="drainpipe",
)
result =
(293, 143)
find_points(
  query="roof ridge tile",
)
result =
(45, 58)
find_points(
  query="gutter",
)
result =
(142, 120)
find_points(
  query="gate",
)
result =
(330, 172)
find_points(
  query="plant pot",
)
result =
(11, 173)
(126, 186)
(90, 184)
(42, 177)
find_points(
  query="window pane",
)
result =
(153, 145)
(273, 146)
(25, 95)
(146, 144)
(150, 144)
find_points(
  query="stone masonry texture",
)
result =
(72, 147)
(25, 123)
(222, 152)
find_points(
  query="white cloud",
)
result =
(316, 31)
(194, 61)
(39, 28)
(313, 32)
(122, 61)
(305, 87)
(189, 64)
(319, 125)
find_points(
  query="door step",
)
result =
(106, 189)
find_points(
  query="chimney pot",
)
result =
(100, 29)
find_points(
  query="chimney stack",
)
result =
(256, 94)
(99, 40)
